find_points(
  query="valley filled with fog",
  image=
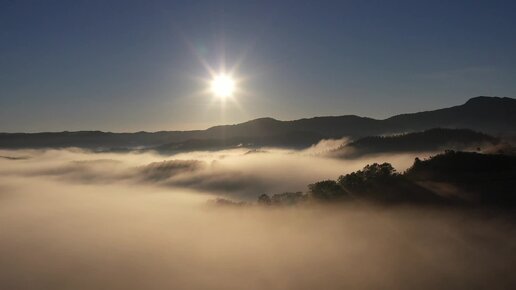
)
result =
(74, 219)
(257, 145)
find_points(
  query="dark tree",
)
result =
(369, 176)
(327, 190)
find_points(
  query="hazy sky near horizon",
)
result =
(137, 65)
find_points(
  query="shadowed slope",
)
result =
(429, 140)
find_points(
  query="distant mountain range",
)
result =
(491, 115)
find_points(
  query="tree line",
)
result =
(481, 180)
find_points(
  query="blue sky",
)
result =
(135, 65)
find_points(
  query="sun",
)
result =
(223, 86)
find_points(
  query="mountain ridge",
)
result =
(491, 115)
(436, 139)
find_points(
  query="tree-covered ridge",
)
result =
(481, 178)
(476, 179)
(429, 140)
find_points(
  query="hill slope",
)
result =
(429, 140)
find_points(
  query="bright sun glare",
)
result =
(223, 86)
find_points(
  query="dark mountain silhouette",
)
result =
(484, 179)
(452, 178)
(90, 139)
(491, 115)
(289, 139)
(430, 140)
(486, 114)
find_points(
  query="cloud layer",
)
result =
(239, 173)
(78, 220)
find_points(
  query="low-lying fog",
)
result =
(71, 219)
(239, 173)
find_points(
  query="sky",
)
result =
(128, 66)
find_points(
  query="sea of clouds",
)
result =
(74, 219)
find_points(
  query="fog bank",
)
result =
(239, 173)
(78, 220)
